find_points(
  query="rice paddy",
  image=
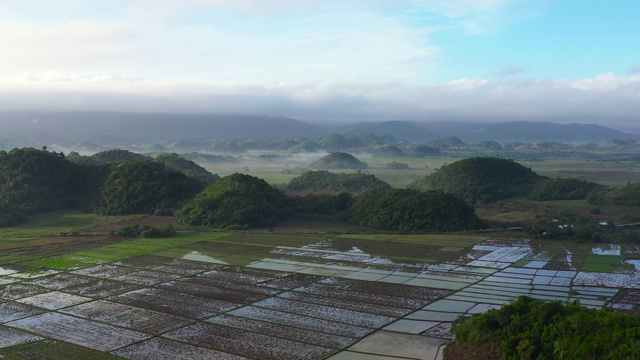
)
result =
(289, 296)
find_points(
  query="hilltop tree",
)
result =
(34, 181)
(481, 179)
(236, 201)
(187, 167)
(409, 210)
(322, 179)
(338, 160)
(143, 187)
(626, 195)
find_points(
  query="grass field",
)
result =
(54, 223)
(604, 263)
(118, 251)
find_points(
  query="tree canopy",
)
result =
(409, 210)
(34, 180)
(562, 189)
(338, 160)
(531, 329)
(187, 167)
(236, 201)
(352, 183)
(481, 179)
(626, 195)
(144, 186)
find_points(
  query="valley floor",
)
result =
(281, 295)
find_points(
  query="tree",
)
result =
(236, 201)
(143, 186)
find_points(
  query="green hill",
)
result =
(408, 210)
(187, 167)
(338, 160)
(236, 201)
(144, 186)
(626, 195)
(481, 179)
(34, 180)
(322, 179)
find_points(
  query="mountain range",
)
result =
(41, 128)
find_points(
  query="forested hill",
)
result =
(543, 131)
(481, 179)
(33, 181)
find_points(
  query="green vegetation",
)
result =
(322, 204)
(397, 166)
(352, 183)
(236, 201)
(388, 151)
(562, 189)
(533, 329)
(105, 157)
(33, 181)
(118, 251)
(626, 195)
(148, 231)
(187, 167)
(142, 186)
(603, 263)
(447, 142)
(306, 146)
(481, 179)
(338, 160)
(412, 211)
(49, 349)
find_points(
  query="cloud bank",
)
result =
(606, 99)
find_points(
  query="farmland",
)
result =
(290, 294)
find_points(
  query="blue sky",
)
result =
(331, 60)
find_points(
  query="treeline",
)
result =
(529, 329)
(407, 210)
(340, 182)
(120, 182)
(241, 201)
(481, 179)
(488, 179)
(338, 160)
(111, 182)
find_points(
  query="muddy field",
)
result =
(291, 296)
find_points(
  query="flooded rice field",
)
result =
(338, 298)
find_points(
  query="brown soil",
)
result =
(485, 351)
(151, 220)
(309, 223)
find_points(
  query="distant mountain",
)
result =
(411, 131)
(95, 130)
(137, 128)
(526, 131)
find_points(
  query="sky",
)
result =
(327, 60)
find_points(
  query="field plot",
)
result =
(164, 349)
(292, 296)
(247, 343)
(10, 337)
(173, 303)
(78, 331)
(142, 320)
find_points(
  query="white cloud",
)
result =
(597, 99)
(73, 44)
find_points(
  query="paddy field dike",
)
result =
(277, 295)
